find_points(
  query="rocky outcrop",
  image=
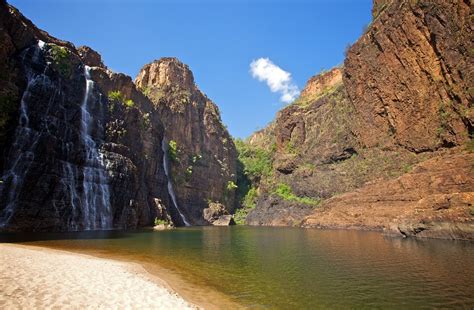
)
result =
(436, 199)
(217, 215)
(273, 210)
(203, 159)
(403, 97)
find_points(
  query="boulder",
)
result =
(224, 220)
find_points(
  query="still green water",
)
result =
(290, 268)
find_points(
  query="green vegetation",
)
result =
(160, 222)
(116, 96)
(231, 186)
(248, 202)
(145, 90)
(285, 192)
(256, 161)
(129, 103)
(254, 166)
(60, 56)
(291, 148)
(173, 151)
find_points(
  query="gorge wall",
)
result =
(392, 129)
(82, 146)
(204, 156)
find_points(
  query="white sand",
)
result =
(38, 278)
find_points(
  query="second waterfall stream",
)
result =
(164, 148)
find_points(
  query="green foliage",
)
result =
(173, 151)
(240, 215)
(129, 103)
(285, 192)
(231, 185)
(60, 56)
(116, 96)
(291, 148)
(145, 90)
(256, 161)
(250, 199)
(160, 222)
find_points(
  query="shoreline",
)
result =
(193, 295)
(37, 276)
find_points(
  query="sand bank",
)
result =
(32, 277)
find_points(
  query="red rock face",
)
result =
(206, 162)
(321, 82)
(434, 200)
(409, 76)
(405, 98)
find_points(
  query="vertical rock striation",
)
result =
(203, 163)
(82, 146)
(386, 140)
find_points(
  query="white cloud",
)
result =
(276, 78)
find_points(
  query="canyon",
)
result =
(382, 142)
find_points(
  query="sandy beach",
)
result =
(38, 278)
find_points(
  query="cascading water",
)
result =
(97, 212)
(25, 143)
(164, 148)
(73, 189)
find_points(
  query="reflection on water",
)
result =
(295, 268)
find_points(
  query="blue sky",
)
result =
(217, 39)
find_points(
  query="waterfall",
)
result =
(164, 148)
(97, 212)
(82, 181)
(25, 143)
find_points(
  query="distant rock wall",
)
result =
(403, 97)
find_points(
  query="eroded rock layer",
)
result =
(345, 150)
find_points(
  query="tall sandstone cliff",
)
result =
(392, 129)
(81, 145)
(204, 166)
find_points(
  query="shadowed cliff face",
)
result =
(404, 96)
(82, 147)
(203, 164)
(64, 164)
